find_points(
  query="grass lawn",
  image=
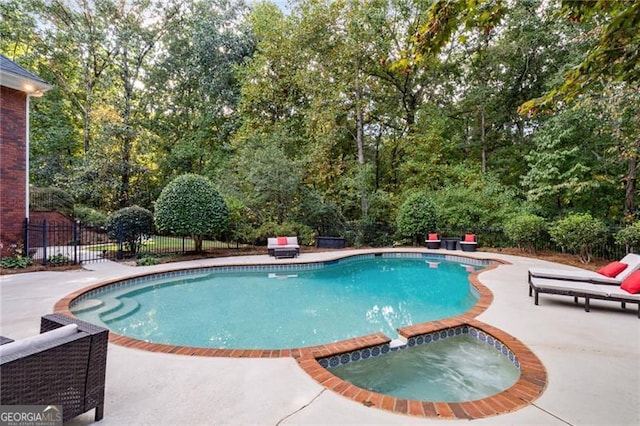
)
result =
(164, 244)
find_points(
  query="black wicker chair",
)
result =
(69, 371)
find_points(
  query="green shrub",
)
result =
(629, 235)
(89, 216)
(579, 232)
(58, 260)
(416, 217)
(190, 206)
(15, 262)
(525, 230)
(132, 225)
(148, 260)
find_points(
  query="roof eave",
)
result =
(29, 86)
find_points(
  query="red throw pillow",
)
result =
(632, 283)
(612, 269)
(282, 241)
(469, 238)
(433, 237)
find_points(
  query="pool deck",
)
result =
(592, 358)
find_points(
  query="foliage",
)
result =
(15, 258)
(578, 232)
(566, 168)
(132, 225)
(148, 260)
(416, 217)
(471, 206)
(629, 235)
(51, 199)
(190, 206)
(58, 260)
(614, 56)
(89, 216)
(15, 262)
(327, 115)
(525, 230)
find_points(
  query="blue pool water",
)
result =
(284, 309)
(455, 369)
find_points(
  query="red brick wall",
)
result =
(13, 122)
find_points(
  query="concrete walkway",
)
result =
(592, 360)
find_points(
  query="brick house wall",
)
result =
(13, 124)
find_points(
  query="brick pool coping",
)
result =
(531, 384)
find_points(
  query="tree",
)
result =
(578, 232)
(614, 55)
(190, 206)
(131, 225)
(416, 217)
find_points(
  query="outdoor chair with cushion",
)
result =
(65, 365)
(469, 242)
(433, 240)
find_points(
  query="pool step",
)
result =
(87, 305)
(127, 307)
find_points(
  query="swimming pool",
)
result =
(529, 386)
(277, 307)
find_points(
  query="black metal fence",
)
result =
(74, 242)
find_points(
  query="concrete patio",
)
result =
(592, 359)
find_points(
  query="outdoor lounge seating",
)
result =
(578, 289)
(64, 365)
(285, 246)
(606, 275)
(433, 241)
(469, 242)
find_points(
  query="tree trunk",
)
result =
(630, 184)
(360, 136)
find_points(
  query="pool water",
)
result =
(278, 310)
(450, 370)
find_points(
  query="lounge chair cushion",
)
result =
(612, 269)
(470, 238)
(632, 284)
(282, 241)
(40, 339)
(433, 237)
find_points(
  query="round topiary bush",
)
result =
(629, 235)
(131, 225)
(190, 206)
(579, 232)
(416, 216)
(525, 230)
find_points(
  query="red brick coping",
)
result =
(532, 382)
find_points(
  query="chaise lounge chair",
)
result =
(588, 290)
(613, 274)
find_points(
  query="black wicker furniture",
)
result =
(68, 371)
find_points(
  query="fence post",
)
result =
(120, 237)
(75, 242)
(44, 242)
(26, 237)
